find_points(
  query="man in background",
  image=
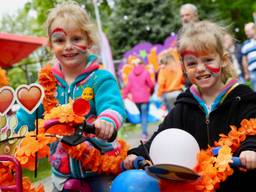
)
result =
(249, 54)
(188, 13)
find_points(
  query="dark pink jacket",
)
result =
(139, 85)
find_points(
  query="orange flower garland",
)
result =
(48, 81)
(93, 160)
(214, 169)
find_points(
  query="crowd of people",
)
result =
(204, 91)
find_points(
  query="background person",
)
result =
(141, 87)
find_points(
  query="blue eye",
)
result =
(190, 64)
(208, 60)
(77, 38)
(58, 40)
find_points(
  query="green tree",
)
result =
(142, 20)
(133, 21)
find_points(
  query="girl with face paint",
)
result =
(213, 102)
(76, 74)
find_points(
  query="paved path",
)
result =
(132, 138)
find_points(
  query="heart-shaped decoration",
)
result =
(30, 96)
(7, 99)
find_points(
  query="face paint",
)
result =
(58, 30)
(58, 34)
(191, 60)
(81, 48)
(213, 70)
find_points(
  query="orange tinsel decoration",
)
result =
(214, 169)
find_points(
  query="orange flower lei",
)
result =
(214, 169)
(48, 81)
(93, 160)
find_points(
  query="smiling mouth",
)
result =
(70, 55)
(203, 77)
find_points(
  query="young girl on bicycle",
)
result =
(214, 101)
(76, 74)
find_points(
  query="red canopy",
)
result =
(14, 48)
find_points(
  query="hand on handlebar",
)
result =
(135, 162)
(104, 129)
(248, 159)
(128, 161)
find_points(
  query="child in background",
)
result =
(170, 79)
(213, 102)
(141, 87)
(77, 75)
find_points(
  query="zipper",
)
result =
(207, 122)
(67, 95)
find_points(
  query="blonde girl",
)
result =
(72, 36)
(214, 101)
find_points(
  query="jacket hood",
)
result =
(139, 69)
(242, 93)
(91, 66)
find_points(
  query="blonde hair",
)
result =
(72, 10)
(206, 36)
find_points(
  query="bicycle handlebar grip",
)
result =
(236, 162)
(91, 129)
(138, 162)
(122, 167)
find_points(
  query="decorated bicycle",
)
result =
(65, 123)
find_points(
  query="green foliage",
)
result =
(142, 20)
(131, 19)
(16, 77)
(44, 170)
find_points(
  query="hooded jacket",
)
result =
(189, 115)
(139, 85)
(105, 103)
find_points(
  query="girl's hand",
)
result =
(248, 159)
(104, 129)
(128, 161)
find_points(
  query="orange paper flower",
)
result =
(48, 81)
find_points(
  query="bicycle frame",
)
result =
(18, 187)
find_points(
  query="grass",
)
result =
(43, 171)
(128, 127)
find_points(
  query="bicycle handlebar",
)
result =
(78, 137)
(138, 163)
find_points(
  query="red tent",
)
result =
(14, 48)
